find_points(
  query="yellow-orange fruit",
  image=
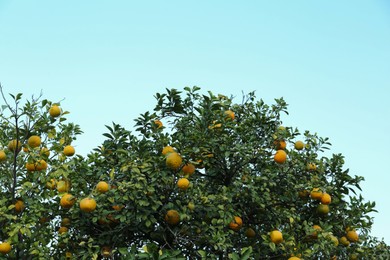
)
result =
(280, 156)
(236, 224)
(188, 168)
(34, 141)
(69, 150)
(276, 236)
(172, 217)
(102, 187)
(88, 204)
(55, 111)
(183, 183)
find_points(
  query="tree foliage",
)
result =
(232, 147)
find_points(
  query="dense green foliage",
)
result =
(236, 175)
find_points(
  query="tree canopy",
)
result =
(201, 177)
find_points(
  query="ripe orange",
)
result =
(67, 201)
(19, 206)
(316, 194)
(62, 230)
(158, 123)
(167, 149)
(63, 186)
(118, 207)
(299, 145)
(250, 233)
(276, 236)
(326, 199)
(173, 161)
(323, 209)
(3, 156)
(236, 224)
(229, 114)
(5, 248)
(102, 187)
(34, 141)
(294, 258)
(188, 168)
(13, 145)
(315, 233)
(30, 167)
(344, 241)
(69, 150)
(352, 236)
(280, 144)
(183, 184)
(41, 165)
(311, 167)
(172, 217)
(55, 111)
(88, 204)
(280, 156)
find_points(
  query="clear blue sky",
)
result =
(330, 60)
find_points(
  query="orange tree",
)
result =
(201, 177)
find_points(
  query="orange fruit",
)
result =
(102, 187)
(69, 150)
(118, 207)
(67, 201)
(276, 236)
(65, 222)
(41, 165)
(236, 224)
(167, 149)
(323, 209)
(88, 204)
(34, 141)
(280, 156)
(3, 156)
(344, 241)
(158, 123)
(172, 217)
(13, 145)
(311, 167)
(352, 236)
(299, 145)
(326, 199)
(250, 233)
(294, 258)
(183, 183)
(316, 194)
(173, 161)
(55, 111)
(280, 144)
(30, 167)
(62, 230)
(188, 168)
(19, 206)
(5, 248)
(63, 186)
(229, 114)
(315, 233)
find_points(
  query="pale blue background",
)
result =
(328, 59)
